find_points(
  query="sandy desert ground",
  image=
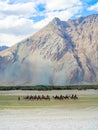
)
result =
(52, 118)
(49, 119)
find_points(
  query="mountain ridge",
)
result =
(3, 48)
(59, 54)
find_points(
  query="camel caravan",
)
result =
(47, 97)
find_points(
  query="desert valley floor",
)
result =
(83, 116)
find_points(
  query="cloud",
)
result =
(17, 18)
(61, 4)
(13, 29)
(19, 9)
(16, 25)
(93, 7)
(9, 39)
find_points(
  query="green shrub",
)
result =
(43, 87)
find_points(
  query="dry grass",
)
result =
(11, 102)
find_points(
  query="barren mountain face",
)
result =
(62, 53)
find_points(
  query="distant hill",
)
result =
(3, 48)
(62, 53)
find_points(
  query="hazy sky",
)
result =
(21, 18)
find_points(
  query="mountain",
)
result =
(3, 48)
(62, 53)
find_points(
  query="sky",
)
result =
(22, 18)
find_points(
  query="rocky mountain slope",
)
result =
(63, 52)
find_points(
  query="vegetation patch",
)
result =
(45, 87)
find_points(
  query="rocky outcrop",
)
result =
(63, 52)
